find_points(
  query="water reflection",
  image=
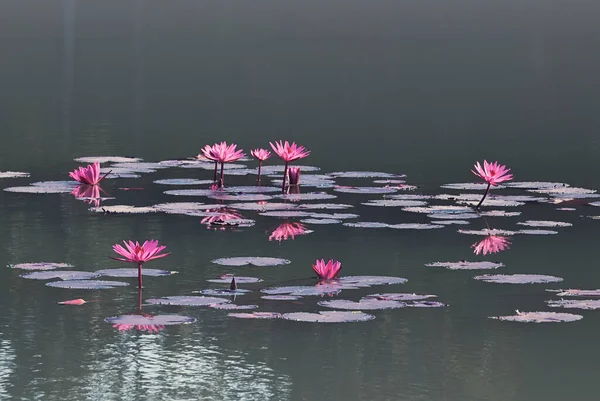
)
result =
(7, 367)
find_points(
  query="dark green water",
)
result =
(424, 88)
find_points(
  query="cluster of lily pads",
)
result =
(229, 207)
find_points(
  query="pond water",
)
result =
(422, 89)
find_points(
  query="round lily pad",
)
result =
(61, 274)
(281, 297)
(544, 223)
(183, 181)
(250, 189)
(189, 300)
(13, 174)
(147, 320)
(425, 304)
(286, 213)
(39, 189)
(239, 197)
(410, 196)
(449, 222)
(87, 284)
(263, 206)
(537, 232)
(365, 190)
(464, 265)
(575, 303)
(540, 317)
(567, 209)
(307, 196)
(251, 260)
(123, 209)
(299, 290)
(402, 297)
(233, 307)
(572, 192)
(320, 221)
(187, 208)
(394, 203)
(578, 293)
(487, 232)
(223, 292)
(226, 279)
(535, 184)
(518, 278)
(363, 304)
(469, 186)
(499, 213)
(367, 281)
(367, 224)
(414, 226)
(190, 192)
(133, 272)
(107, 159)
(335, 216)
(365, 174)
(328, 317)
(454, 216)
(438, 209)
(40, 266)
(324, 206)
(256, 315)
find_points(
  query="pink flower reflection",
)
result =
(222, 217)
(491, 244)
(88, 193)
(288, 230)
(150, 328)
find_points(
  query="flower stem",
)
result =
(222, 182)
(139, 308)
(140, 275)
(215, 175)
(484, 195)
(284, 176)
(259, 167)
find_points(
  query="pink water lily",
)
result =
(491, 244)
(222, 153)
(88, 175)
(288, 230)
(327, 271)
(294, 175)
(492, 173)
(288, 153)
(261, 155)
(133, 252)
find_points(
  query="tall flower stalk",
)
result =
(261, 155)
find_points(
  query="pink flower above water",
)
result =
(88, 175)
(288, 230)
(294, 175)
(328, 270)
(289, 152)
(222, 153)
(492, 173)
(136, 253)
(491, 244)
(261, 154)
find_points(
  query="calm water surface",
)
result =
(423, 88)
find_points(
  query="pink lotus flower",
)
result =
(328, 270)
(287, 230)
(493, 174)
(136, 253)
(222, 153)
(88, 175)
(294, 175)
(491, 244)
(261, 155)
(288, 153)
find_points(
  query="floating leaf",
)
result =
(569, 209)
(263, 206)
(13, 174)
(40, 189)
(518, 278)
(320, 221)
(469, 186)
(365, 190)
(226, 279)
(256, 315)
(239, 197)
(190, 192)
(537, 232)
(186, 208)
(233, 307)
(365, 174)
(438, 209)
(107, 159)
(40, 266)
(499, 213)
(281, 297)
(394, 203)
(569, 192)
(367, 281)
(145, 320)
(535, 184)
(87, 284)
(464, 265)
(307, 196)
(425, 304)
(133, 272)
(123, 209)
(578, 293)
(392, 296)
(183, 181)
(187, 300)
(575, 303)
(319, 206)
(540, 317)
(448, 222)
(223, 292)
(328, 317)
(487, 231)
(61, 274)
(414, 226)
(286, 213)
(363, 304)
(454, 216)
(299, 290)
(335, 216)
(544, 223)
(251, 260)
(367, 224)
(388, 182)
